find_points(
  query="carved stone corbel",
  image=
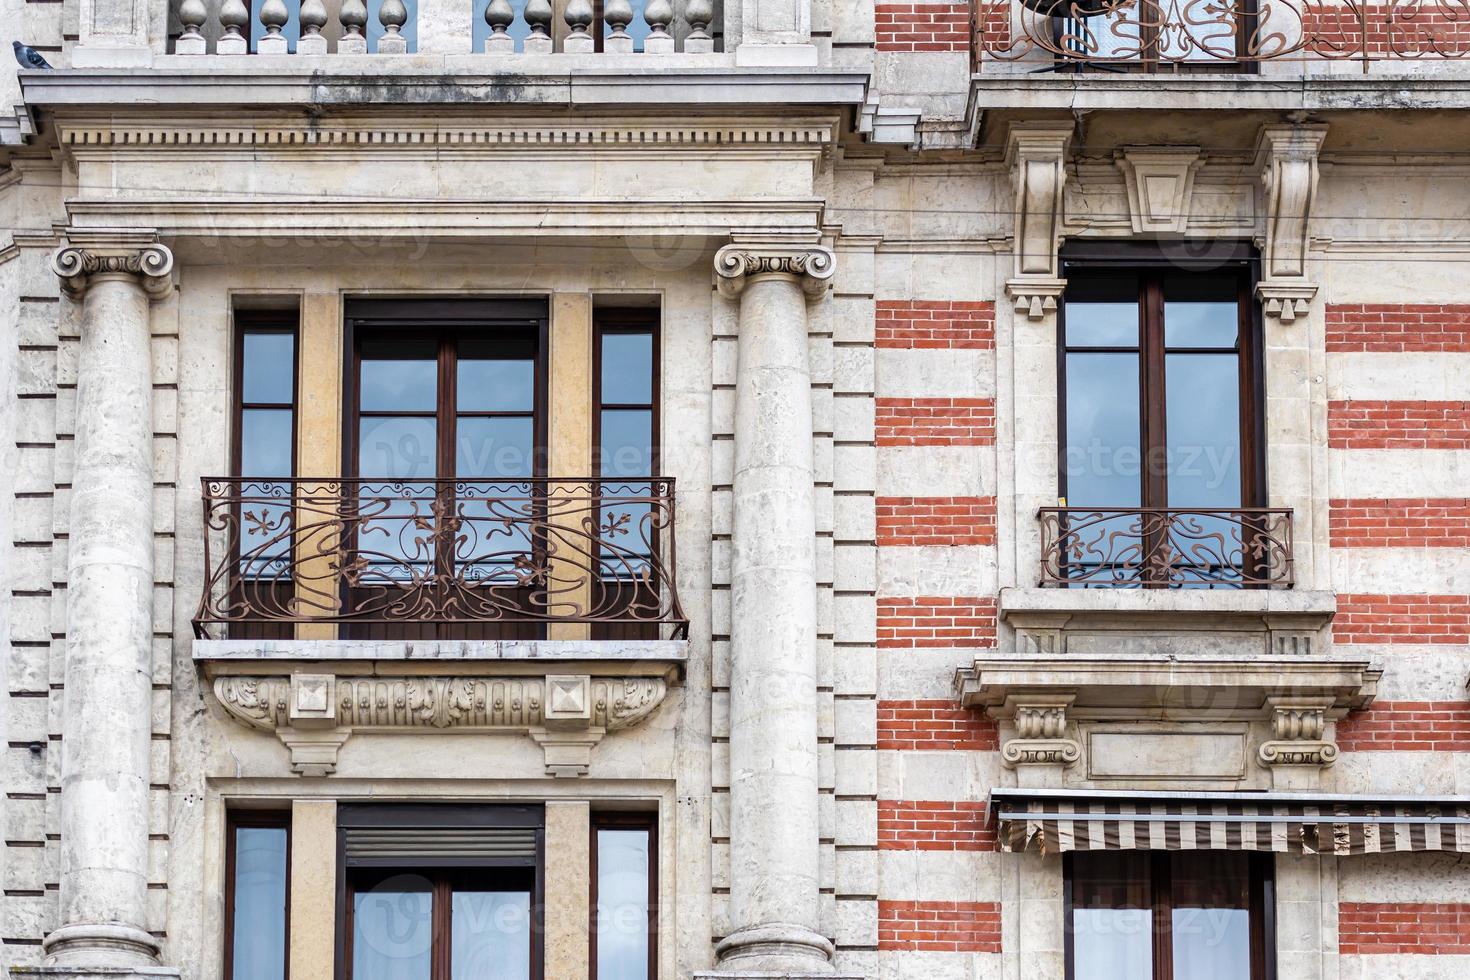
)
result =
(1286, 158)
(1298, 735)
(1041, 734)
(1036, 153)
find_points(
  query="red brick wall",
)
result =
(948, 927)
(938, 521)
(1407, 726)
(1442, 31)
(1396, 328)
(933, 825)
(934, 324)
(1403, 927)
(1363, 618)
(923, 25)
(935, 421)
(1398, 425)
(936, 621)
(1417, 522)
(937, 725)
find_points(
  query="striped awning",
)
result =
(1052, 821)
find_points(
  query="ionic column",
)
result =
(773, 671)
(109, 632)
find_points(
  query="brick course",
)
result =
(1367, 928)
(1398, 425)
(934, 421)
(935, 521)
(1407, 726)
(934, 325)
(1364, 618)
(1398, 328)
(936, 621)
(935, 25)
(933, 825)
(1410, 522)
(934, 725)
(949, 927)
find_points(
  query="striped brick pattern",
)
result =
(935, 25)
(1398, 328)
(1428, 928)
(933, 825)
(1398, 424)
(1407, 726)
(1401, 619)
(934, 325)
(935, 521)
(936, 621)
(934, 725)
(953, 927)
(934, 421)
(1418, 522)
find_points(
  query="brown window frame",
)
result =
(625, 821)
(234, 821)
(614, 321)
(1262, 887)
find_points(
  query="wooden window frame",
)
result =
(625, 821)
(234, 821)
(263, 322)
(617, 320)
(1262, 889)
(1150, 263)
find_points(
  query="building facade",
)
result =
(510, 489)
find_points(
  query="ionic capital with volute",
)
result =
(88, 255)
(810, 265)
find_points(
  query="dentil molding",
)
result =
(90, 254)
(812, 266)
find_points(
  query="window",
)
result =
(435, 892)
(257, 896)
(624, 886)
(1169, 915)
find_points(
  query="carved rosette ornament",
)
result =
(78, 265)
(315, 713)
(1041, 737)
(1298, 736)
(811, 265)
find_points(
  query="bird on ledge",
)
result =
(28, 57)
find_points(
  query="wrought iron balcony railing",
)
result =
(1172, 548)
(1215, 35)
(473, 559)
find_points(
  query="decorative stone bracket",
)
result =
(1298, 730)
(1041, 733)
(314, 714)
(1286, 157)
(1036, 156)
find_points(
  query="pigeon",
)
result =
(28, 57)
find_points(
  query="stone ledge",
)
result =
(366, 656)
(97, 972)
(1173, 602)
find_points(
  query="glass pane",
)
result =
(1203, 422)
(1112, 917)
(265, 442)
(1201, 311)
(269, 368)
(622, 904)
(399, 377)
(397, 448)
(495, 447)
(1102, 312)
(1104, 458)
(259, 934)
(498, 385)
(1211, 916)
(627, 442)
(393, 930)
(627, 369)
(491, 936)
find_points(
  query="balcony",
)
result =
(459, 559)
(1165, 548)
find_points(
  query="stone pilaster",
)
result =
(773, 682)
(105, 730)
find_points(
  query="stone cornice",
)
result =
(811, 265)
(90, 254)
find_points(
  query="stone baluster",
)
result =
(103, 899)
(699, 13)
(618, 14)
(579, 23)
(313, 19)
(538, 16)
(392, 14)
(499, 15)
(659, 14)
(774, 782)
(273, 17)
(234, 21)
(192, 15)
(353, 15)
